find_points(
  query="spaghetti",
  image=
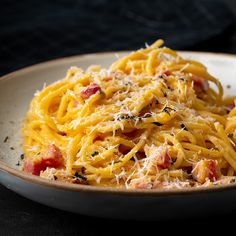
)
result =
(152, 120)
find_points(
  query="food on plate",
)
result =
(153, 120)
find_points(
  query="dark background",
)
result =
(32, 31)
(35, 31)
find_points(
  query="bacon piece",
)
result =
(159, 156)
(90, 90)
(33, 166)
(123, 149)
(200, 86)
(76, 103)
(163, 158)
(166, 73)
(98, 138)
(230, 106)
(52, 158)
(157, 185)
(206, 170)
(132, 134)
(140, 183)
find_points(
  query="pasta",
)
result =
(153, 120)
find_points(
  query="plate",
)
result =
(16, 92)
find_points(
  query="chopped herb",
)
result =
(117, 161)
(183, 127)
(101, 93)
(12, 148)
(95, 153)
(128, 83)
(168, 110)
(5, 140)
(18, 163)
(127, 117)
(80, 177)
(22, 156)
(157, 123)
(121, 118)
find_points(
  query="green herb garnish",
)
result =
(127, 117)
(80, 177)
(168, 110)
(117, 161)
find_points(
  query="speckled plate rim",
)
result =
(104, 190)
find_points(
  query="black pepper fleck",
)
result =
(157, 123)
(83, 170)
(183, 127)
(6, 138)
(95, 153)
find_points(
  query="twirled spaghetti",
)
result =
(152, 120)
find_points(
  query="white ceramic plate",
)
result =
(16, 92)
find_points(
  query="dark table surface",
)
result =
(34, 31)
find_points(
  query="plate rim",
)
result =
(96, 54)
(96, 189)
